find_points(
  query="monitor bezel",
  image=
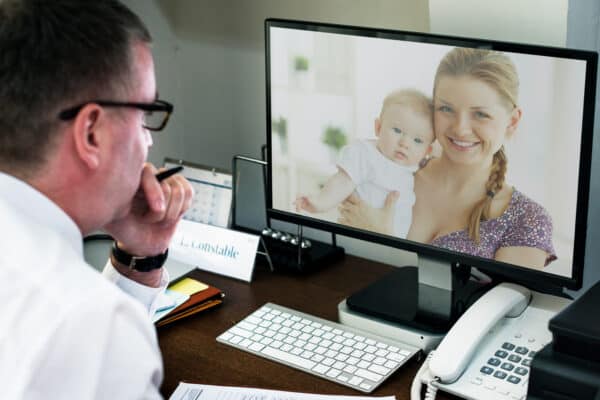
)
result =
(527, 276)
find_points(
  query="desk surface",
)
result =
(191, 353)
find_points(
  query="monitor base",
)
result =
(424, 340)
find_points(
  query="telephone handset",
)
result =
(449, 360)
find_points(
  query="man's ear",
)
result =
(513, 122)
(377, 127)
(86, 137)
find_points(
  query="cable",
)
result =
(423, 376)
(431, 391)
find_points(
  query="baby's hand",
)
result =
(304, 203)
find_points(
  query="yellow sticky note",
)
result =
(188, 286)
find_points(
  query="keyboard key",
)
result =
(355, 381)
(333, 372)
(372, 376)
(247, 325)
(379, 369)
(240, 332)
(287, 357)
(396, 357)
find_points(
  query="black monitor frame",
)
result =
(538, 280)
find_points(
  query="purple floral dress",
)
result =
(525, 223)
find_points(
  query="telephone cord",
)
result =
(422, 377)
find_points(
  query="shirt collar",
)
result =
(35, 205)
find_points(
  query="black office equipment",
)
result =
(569, 367)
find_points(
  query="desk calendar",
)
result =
(212, 193)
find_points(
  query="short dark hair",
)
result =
(54, 54)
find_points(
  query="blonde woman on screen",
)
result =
(462, 200)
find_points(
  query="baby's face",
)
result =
(404, 135)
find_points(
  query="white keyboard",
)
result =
(327, 349)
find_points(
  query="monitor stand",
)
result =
(414, 305)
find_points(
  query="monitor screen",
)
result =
(472, 151)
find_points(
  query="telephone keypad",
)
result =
(513, 356)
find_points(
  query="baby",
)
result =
(374, 168)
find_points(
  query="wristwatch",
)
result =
(142, 264)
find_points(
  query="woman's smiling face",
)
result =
(471, 120)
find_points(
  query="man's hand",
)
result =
(155, 211)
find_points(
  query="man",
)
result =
(78, 99)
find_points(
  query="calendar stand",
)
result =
(284, 251)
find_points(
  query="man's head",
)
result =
(404, 128)
(57, 54)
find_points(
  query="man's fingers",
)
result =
(176, 201)
(152, 189)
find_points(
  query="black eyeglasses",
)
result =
(156, 114)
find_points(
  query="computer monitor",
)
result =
(326, 86)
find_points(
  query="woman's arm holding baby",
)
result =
(357, 213)
(334, 191)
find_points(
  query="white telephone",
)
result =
(486, 354)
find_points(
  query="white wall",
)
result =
(531, 21)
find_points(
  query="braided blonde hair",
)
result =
(496, 70)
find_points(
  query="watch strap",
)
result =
(142, 264)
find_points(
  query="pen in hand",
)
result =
(161, 176)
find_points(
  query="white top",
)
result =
(65, 331)
(376, 176)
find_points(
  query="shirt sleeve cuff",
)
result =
(148, 296)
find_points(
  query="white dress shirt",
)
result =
(66, 332)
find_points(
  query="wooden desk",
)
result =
(191, 353)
